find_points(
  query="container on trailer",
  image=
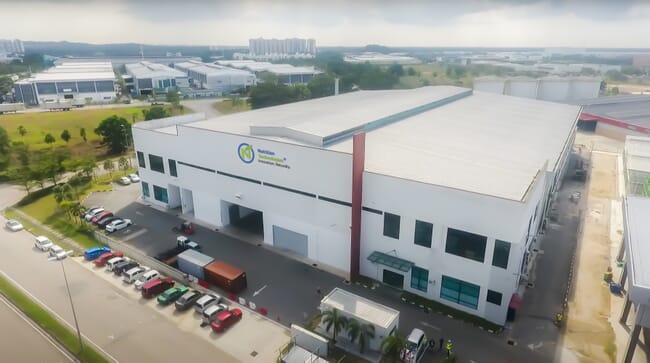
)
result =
(229, 278)
(192, 262)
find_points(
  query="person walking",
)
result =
(318, 291)
(442, 340)
(448, 347)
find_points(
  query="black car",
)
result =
(187, 300)
(124, 266)
(104, 221)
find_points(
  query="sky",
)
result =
(432, 23)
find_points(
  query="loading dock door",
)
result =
(290, 240)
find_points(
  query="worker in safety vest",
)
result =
(448, 347)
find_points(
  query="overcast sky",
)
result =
(452, 23)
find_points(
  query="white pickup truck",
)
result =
(59, 105)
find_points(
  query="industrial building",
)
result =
(556, 89)
(148, 78)
(616, 116)
(439, 191)
(216, 77)
(85, 82)
(379, 58)
(119, 61)
(286, 73)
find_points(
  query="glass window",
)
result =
(501, 254)
(459, 292)
(494, 297)
(423, 233)
(145, 189)
(391, 225)
(156, 163)
(141, 161)
(419, 278)
(172, 167)
(465, 244)
(160, 194)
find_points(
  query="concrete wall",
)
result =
(308, 340)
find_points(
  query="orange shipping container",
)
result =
(229, 278)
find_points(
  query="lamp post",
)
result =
(126, 144)
(67, 287)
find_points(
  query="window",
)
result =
(460, 292)
(465, 244)
(391, 225)
(423, 232)
(172, 167)
(419, 278)
(494, 297)
(501, 254)
(145, 189)
(141, 161)
(160, 194)
(156, 163)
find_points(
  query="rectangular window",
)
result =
(494, 297)
(423, 233)
(419, 278)
(459, 292)
(465, 244)
(160, 194)
(141, 161)
(391, 225)
(145, 189)
(172, 167)
(156, 163)
(501, 254)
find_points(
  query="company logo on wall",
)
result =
(246, 152)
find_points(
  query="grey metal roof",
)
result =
(195, 257)
(633, 109)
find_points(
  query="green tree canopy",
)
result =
(49, 139)
(321, 86)
(155, 112)
(173, 98)
(22, 130)
(82, 133)
(6, 84)
(115, 132)
(65, 136)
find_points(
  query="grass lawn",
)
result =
(226, 106)
(50, 324)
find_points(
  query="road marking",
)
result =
(258, 291)
(136, 234)
(34, 298)
(535, 346)
(38, 329)
(139, 213)
(430, 326)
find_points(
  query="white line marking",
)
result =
(430, 326)
(258, 291)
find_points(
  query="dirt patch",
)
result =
(588, 331)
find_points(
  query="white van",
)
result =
(43, 243)
(146, 277)
(112, 262)
(133, 274)
(416, 345)
(206, 300)
(210, 313)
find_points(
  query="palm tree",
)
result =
(334, 321)
(361, 333)
(62, 193)
(392, 346)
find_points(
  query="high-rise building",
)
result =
(283, 47)
(11, 46)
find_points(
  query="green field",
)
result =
(225, 107)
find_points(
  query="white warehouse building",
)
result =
(439, 191)
(150, 77)
(215, 77)
(556, 89)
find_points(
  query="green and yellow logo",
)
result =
(246, 152)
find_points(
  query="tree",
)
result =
(88, 166)
(5, 149)
(616, 76)
(396, 70)
(21, 152)
(65, 136)
(6, 84)
(49, 139)
(392, 345)
(123, 163)
(109, 166)
(63, 192)
(22, 130)
(155, 112)
(115, 132)
(411, 71)
(23, 176)
(334, 321)
(173, 98)
(321, 86)
(360, 333)
(49, 166)
(82, 133)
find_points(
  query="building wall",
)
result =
(41, 92)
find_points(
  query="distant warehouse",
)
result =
(147, 78)
(286, 73)
(215, 77)
(85, 82)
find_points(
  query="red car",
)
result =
(101, 260)
(101, 216)
(155, 287)
(225, 320)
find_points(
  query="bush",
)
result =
(34, 196)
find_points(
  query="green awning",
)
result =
(390, 261)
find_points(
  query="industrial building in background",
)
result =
(223, 80)
(11, 49)
(286, 73)
(616, 116)
(80, 83)
(146, 78)
(556, 89)
(119, 61)
(261, 48)
(439, 191)
(381, 59)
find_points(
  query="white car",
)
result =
(124, 180)
(43, 243)
(56, 252)
(13, 225)
(93, 212)
(117, 225)
(134, 178)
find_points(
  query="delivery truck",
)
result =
(11, 107)
(225, 276)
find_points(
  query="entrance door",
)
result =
(393, 279)
(290, 240)
(233, 213)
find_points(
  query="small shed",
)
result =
(192, 262)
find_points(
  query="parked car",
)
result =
(145, 278)
(43, 243)
(102, 223)
(225, 320)
(205, 301)
(132, 275)
(13, 225)
(210, 313)
(187, 300)
(57, 252)
(124, 180)
(134, 178)
(103, 259)
(123, 266)
(85, 211)
(155, 287)
(117, 225)
(94, 252)
(93, 212)
(171, 295)
(101, 216)
(110, 265)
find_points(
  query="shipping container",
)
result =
(227, 277)
(192, 262)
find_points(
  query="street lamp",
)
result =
(126, 144)
(67, 287)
